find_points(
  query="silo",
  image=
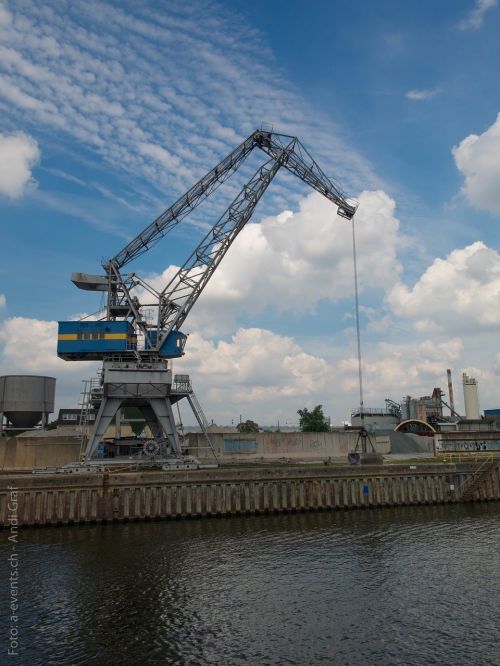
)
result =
(25, 400)
(471, 398)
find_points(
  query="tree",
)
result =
(247, 426)
(314, 420)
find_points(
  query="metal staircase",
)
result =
(87, 408)
(202, 422)
(182, 387)
(467, 489)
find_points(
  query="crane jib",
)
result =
(125, 327)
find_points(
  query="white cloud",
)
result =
(459, 293)
(3, 301)
(420, 95)
(18, 334)
(263, 375)
(266, 376)
(28, 346)
(391, 369)
(164, 157)
(19, 153)
(257, 370)
(158, 94)
(475, 18)
(478, 159)
(291, 261)
(417, 366)
(258, 364)
(5, 16)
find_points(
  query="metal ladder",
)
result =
(202, 421)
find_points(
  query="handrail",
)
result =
(466, 456)
(476, 475)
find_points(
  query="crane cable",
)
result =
(358, 334)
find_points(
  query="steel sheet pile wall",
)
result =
(57, 499)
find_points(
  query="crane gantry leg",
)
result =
(151, 388)
(139, 384)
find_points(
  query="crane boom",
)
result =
(126, 317)
(299, 163)
(184, 205)
(186, 285)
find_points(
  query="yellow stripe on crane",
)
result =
(107, 336)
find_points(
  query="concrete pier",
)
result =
(57, 499)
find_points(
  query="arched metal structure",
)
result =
(415, 426)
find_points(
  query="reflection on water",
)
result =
(412, 585)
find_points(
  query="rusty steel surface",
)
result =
(57, 499)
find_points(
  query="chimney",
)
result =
(450, 392)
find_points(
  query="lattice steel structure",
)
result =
(163, 339)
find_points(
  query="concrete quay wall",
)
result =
(53, 448)
(56, 499)
(268, 446)
(28, 452)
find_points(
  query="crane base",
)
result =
(148, 386)
(126, 465)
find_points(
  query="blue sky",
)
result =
(111, 110)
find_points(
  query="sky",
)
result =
(109, 111)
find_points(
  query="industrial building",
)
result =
(419, 422)
(426, 408)
(374, 419)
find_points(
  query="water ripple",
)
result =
(413, 585)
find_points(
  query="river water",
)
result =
(412, 585)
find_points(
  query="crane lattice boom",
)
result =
(124, 313)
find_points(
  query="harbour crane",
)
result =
(135, 351)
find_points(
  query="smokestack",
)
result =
(471, 398)
(450, 392)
